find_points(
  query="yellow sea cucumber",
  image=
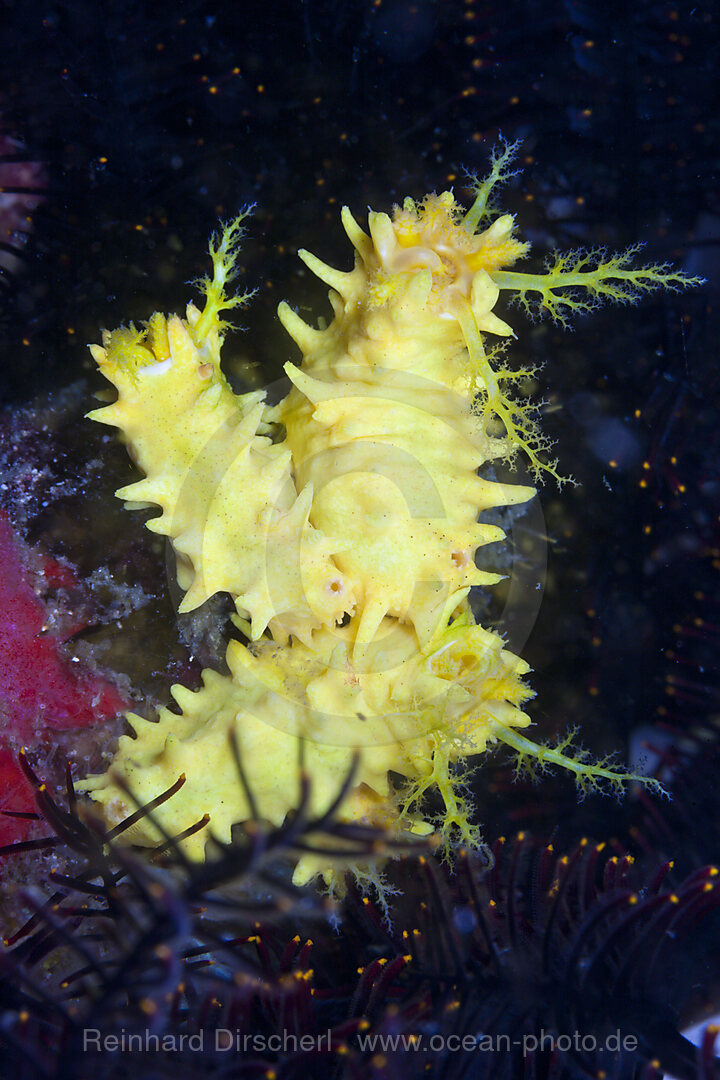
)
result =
(344, 524)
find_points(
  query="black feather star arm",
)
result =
(547, 965)
(150, 964)
(535, 965)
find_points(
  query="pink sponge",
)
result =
(40, 686)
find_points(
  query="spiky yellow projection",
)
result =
(348, 544)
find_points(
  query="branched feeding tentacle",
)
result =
(501, 159)
(577, 281)
(534, 758)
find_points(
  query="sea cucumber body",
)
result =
(348, 546)
(230, 504)
(380, 421)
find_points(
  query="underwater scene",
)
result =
(359, 540)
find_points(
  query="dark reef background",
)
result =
(152, 121)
